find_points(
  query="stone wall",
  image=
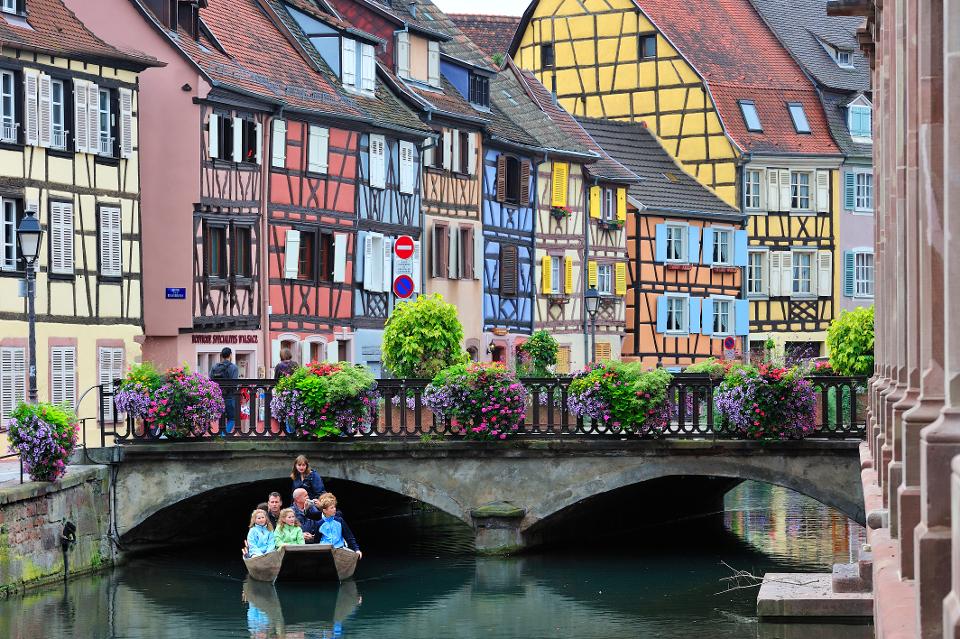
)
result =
(32, 518)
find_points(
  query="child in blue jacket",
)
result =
(331, 531)
(260, 539)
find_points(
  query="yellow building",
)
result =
(68, 155)
(727, 101)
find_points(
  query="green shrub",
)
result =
(850, 340)
(422, 337)
(538, 354)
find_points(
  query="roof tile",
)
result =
(492, 34)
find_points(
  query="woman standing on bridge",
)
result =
(304, 477)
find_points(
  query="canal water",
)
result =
(418, 580)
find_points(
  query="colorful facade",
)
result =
(69, 155)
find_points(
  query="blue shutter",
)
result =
(661, 243)
(693, 244)
(850, 191)
(662, 314)
(741, 312)
(739, 248)
(694, 315)
(708, 246)
(707, 323)
(359, 255)
(848, 273)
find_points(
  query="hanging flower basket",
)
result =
(185, 404)
(560, 213)
(325, 400)
(485, 401)
(45, 436)
(135, 391)
(768, 403)
(622, 397)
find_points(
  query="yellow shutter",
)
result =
(595, 192)
(621, 278)
(592, 273)
(545, 267)
(568, 275)
(563, 361)
(560, 172)
(622, 204)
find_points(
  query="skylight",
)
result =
(750, 115)
(799, 117)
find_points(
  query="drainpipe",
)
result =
(423, 216)
(265, 164)
(741, 165)
(536, 209)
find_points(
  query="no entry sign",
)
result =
(403, 247)
(403, 286)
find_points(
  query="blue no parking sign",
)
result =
(403, 286)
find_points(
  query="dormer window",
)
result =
(750, 116)
(358, 66)
(860, 121)
(799, 117)
(479, 91)
(10, 6)
(844, 58)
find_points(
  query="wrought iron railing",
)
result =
(400, 413)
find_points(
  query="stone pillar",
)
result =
(929, 91)
(951, 605)
(940, 442)
(497, 528)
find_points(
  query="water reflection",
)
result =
(324, 615)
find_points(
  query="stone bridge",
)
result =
(506, 490)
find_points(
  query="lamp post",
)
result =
(591, 300)
(29, 239)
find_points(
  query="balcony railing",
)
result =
(401, 414)
(58, 139)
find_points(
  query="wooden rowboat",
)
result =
(309, 562)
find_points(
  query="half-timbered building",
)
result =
(69, 147)
(687, 251)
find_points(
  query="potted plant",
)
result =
(484, 402)
(44, 435)
(136, 389)
(325, 400)
(622, 396)
(185, 404)
(768, 403)
(537, 355)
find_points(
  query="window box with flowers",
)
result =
(768, 403)
(622, 397)
(184, 405)
(610, 225)
(482, 402)
(325, 400)
(560, 213)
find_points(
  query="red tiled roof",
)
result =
(741, 59)
(52, 28)
(491, 33)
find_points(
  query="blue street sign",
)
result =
(176, 293)
(403, 286)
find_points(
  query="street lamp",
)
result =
(591, 300)
(29, 239)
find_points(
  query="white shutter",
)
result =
(63, 376)
(333, 352)
(93, 117)
(109, 368)
(386, 284)
(403, 54)
(478, 261)
(823, 191)
(46, 110)
(110, 242)
(378, 162)
(455, 151)
(237, 139)
(258, 141)
(407, 174)
(339, 257)
(786, 274)
(31, 111)
(417, 261)
(453, 261)
(291, 263)
(126, 123)
(369, 264)
(785, 199)
(776, 264)
(472, 151)
(213, 135)
(13, 387)
(433, 63)
(427, 157)
(61, 237)
(765, 273)
(318, 144)
(278, 144)
(81, 135)
(368, 68)
(447, 149)
(304, 353)
(348, 61)
(824, 273)
(275, 351)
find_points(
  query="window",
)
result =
(556, 274)
(220, 136)
(803, 272)
(324, 256)
(509, 270)
(609, 210)
(465, 250)
(479, 90)
(751, 189)
(648, 47)
(756, 273)
(440, 252)
(676, 243)
(216, 251)
(13, 377)
(863, 274)
(241, 252)
(9, 6)
(58, 115)
(547, 58)
(109, 369)
(799, 117)
(111, 262)
(512, 193)
(8, 113)
(63, 375)
(465, 139)
(249, 150)
(722, 247)
(677, 321)
(722, 317)
(605, 279)
(843, 57)
(305, 262)
(61, 237)
(106, 123)
(750, 116)
(860, 121)
(799, 191)
(11, 218)
(863, 198)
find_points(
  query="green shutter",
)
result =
(850, 190)
(848, 273)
